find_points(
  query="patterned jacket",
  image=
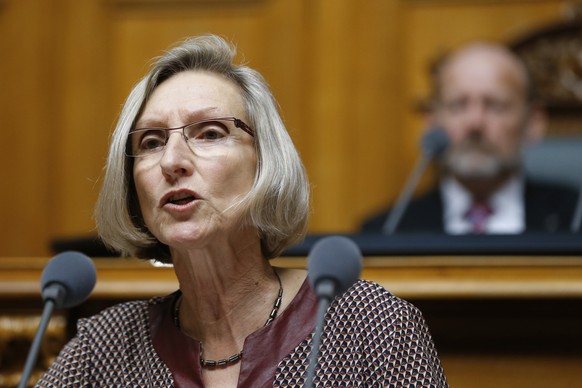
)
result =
(371, 339)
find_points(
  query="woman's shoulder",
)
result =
(370, 299)
(370, 292)
(120, 317)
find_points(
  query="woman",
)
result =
(203, 175)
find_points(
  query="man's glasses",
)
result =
(199, 135)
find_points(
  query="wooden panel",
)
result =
(26, 125)
(354, 126)
(83, 122)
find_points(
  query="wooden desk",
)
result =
(496, 321)
(412, 277)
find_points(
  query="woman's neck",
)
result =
(225, 296)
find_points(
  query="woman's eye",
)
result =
(207, 132)
(211, 135)
(152, 141)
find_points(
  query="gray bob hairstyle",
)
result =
(277, 204)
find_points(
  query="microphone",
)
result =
(66, 281)
(333, 265)
(433, 143)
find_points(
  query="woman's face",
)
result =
(186, 190)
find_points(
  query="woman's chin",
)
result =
(185, 238)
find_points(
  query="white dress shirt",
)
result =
(507, 204)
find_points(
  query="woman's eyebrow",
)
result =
(187, 116)
(191, 116)
(149, 123)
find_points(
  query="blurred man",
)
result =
(484, 100)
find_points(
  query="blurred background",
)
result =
(350, 77)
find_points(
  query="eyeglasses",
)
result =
(203, 134)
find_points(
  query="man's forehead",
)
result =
(482, 69)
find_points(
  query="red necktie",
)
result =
(477, 216)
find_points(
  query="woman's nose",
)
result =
(176, 159)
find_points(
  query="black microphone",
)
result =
(333, 265)
(434, 142)
(66, 281)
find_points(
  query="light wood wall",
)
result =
(346, 73)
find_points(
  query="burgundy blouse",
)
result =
(262, 350)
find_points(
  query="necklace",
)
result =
(238, 356)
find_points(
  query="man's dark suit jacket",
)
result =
(548, 208)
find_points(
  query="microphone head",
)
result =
(75, 272)
(434, 142)
(335, 258)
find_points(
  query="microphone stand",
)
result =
(433, 143)
(326, 290)
(398, 210)
(53, 295)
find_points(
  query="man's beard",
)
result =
(477, 160)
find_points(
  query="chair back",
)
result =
(556, 159)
